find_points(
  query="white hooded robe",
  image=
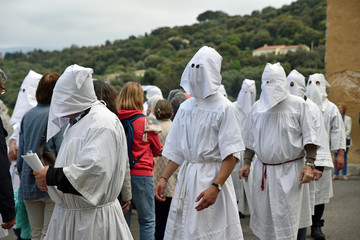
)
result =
(93, 157)
(278, 127)
(201, 136)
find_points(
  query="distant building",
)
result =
(140, 73)
(278, 49)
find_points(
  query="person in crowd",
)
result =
(90, 166)
(151, 91)
(280, 171)
(176, 100)
(347, 125)
(107, 93)
(163, 112)
(142, 149)
(202, 141)
(39, 205)
(297, 87)
(22, 227)
(151, 104)
(243, 103)
(334, 126)
(172, 94)
(26, 100)
(7, 204)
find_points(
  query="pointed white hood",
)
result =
(73, 93)
(296, 83)
(316, 90)
(26, 98)
(201, 77)
(273, 86)
(222, 90)
(247, 95)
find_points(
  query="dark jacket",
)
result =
(7, 204)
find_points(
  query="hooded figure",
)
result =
(25, 101)
(202, 141)
(278, 129)
(316, 90)
(201, 77)
(90, 166)
(244, 102)
(334, 127)
(296, 85)
(273, 87)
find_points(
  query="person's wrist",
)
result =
(166, 179)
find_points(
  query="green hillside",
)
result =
(165, 52)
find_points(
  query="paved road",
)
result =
(342, 214)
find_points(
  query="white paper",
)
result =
(34, 162)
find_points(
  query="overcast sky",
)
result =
(54, 24)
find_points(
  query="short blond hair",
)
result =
(131, 97)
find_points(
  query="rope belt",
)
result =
(272, 164)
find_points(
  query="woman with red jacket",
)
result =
(145, 145)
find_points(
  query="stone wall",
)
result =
(342, 63)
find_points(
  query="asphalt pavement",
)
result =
(342, 214)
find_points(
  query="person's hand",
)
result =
(125, 206)
(306, 174)
(160, 189)
(244, 172)
(339, 160)
(40, 177)
(317, 174)
(8, 224)
(13, 150)
(208, 198)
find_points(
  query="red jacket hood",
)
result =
(125, 114)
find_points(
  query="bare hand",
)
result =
(13, 150)
(339, 160)
(244, 172)
(317, 174)
(8, 224)
(306, 175)
(208, 198)
(40, 177)
(160, 189)
(125, 206)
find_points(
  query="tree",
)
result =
(210, 15)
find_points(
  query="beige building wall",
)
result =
(342, 63)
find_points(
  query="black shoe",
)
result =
(316, 233)
(241, 215)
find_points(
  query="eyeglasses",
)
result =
(3, 90)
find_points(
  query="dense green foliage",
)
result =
(165, 52)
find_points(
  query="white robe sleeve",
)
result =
(172, 149)
(337, 132)
(307, 125)
(230, 140)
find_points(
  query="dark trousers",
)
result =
(161, 215)
(318, 213)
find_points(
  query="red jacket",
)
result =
(151, 148)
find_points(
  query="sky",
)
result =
(54, 25)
